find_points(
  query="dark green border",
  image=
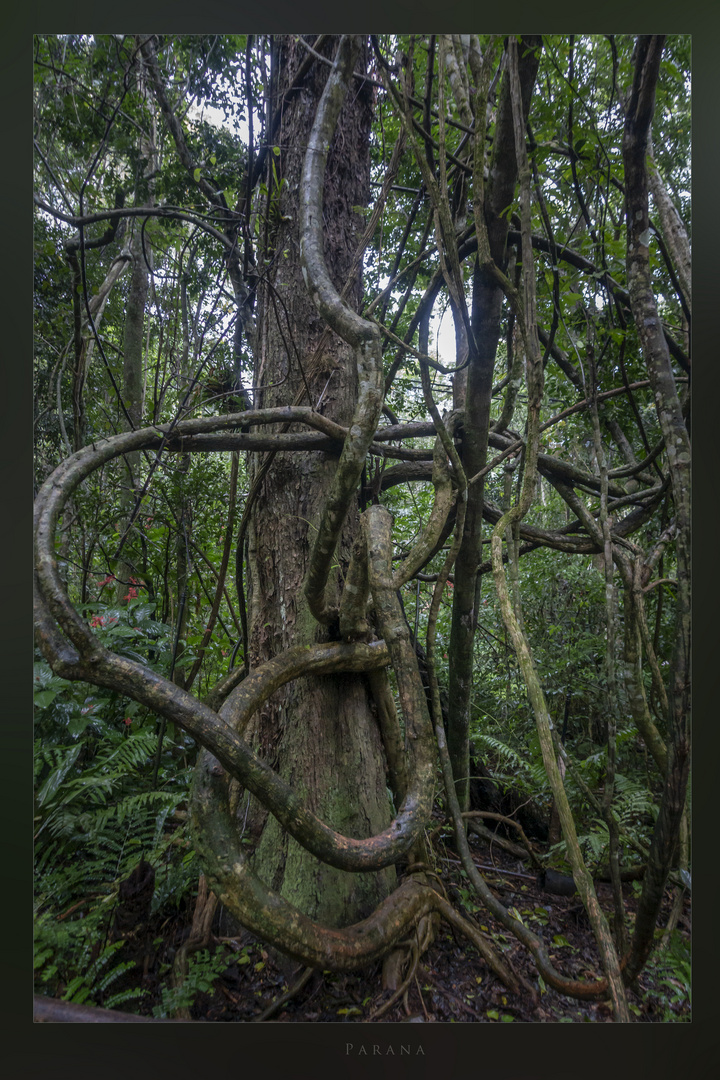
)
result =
(517, 1052)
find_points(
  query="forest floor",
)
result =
(452, 983)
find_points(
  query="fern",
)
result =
(537, 775)
(520, 769)
(506, 755)
(631, 803)
(134, 751)
(671, 969)
(95, 815)
(60, 760)
(203, 970)
(122, 996)
(136, 806)
(97, 786)
(95, 980)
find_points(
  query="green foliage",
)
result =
(203, 970)
(96, 788)
(96, 814)
(633, 807)
(58, 949)
(514, 766)
(671, 969)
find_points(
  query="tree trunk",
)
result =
(133, 384)
(133, 398)
(486, 327)
(655, 352)
(321, 735)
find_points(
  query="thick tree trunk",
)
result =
(321, 735)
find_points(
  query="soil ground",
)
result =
(452, 983)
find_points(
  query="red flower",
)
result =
(127, 721)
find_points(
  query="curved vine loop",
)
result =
(215, 829)
(74, 651)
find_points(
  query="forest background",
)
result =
(702, 279)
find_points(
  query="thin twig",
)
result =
(289, 994)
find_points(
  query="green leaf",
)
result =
(78, 724)
(197, 173)
(43, 698)
(57, 776)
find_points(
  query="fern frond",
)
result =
(507, 755)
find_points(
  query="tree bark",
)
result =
(638, 120)
(132, 390)
(133, 384)
(486, 328)
(321, 735)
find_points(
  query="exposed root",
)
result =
(506, 821)
(394, 965)
(415, 956)
(422, 999)
(199, 936)
(492, 838)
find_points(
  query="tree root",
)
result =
(199, 936)
(415, 956)
(507, 821)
